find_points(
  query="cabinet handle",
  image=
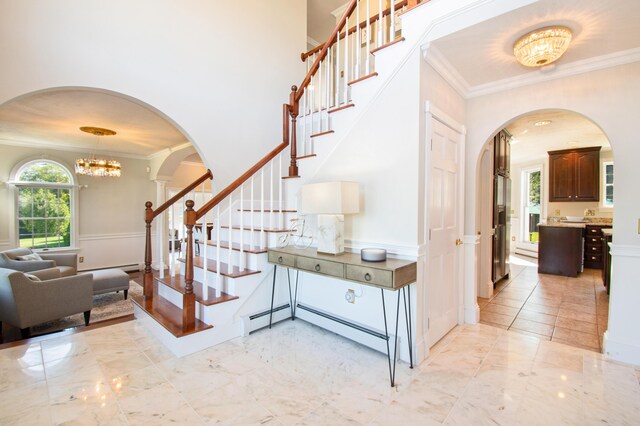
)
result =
(570, 196)
(367, 277)
(593, 248)
(280, 259)
(318, 267)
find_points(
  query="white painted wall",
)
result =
(219, 70)
(110, 225)
(609, 98)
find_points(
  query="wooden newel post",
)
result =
(148, 274)
(189, 298)
(293, 111)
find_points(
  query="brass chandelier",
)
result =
(97, 166)
(543, 46)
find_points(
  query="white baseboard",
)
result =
(619, 351)
(472, 315)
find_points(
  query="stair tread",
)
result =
(391, 43)
(224, 268)
(213, 298)
(306, 156)
(340, 108)
(167, 314)
(365, 77)
(248, 228)
(328, 132)
(269, 211)
(236, 246)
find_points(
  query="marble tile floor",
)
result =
(297, 373)
(573, 311)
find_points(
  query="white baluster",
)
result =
(358, 48)
(392, 21)
(241, 262)
(218, 227)
(261, 207)
(230, 242)
(327, 89)
(281, 221)
(346, 62)
(252, 216)
(271, 195)
(174, 238)
(337, 94)
(380, 29)
(319, 95)
(367, 50)
(204, 252)
(304, 116)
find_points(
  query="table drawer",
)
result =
(592, 258)
(589, 249)
(370, 275)
(282, 259)
(324, 267)
(593, 240)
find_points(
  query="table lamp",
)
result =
(330, 201)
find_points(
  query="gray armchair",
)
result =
(67, 263)
(25, 303)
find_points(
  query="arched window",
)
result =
(44, 199)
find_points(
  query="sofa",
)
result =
(28, 299)
(65, 263)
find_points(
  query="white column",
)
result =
(471, 308)
(621, 341)
(160, 262)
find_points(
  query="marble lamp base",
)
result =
(330, 233)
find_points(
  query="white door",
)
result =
(444, 244)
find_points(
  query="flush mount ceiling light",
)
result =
(543, 46)
(542, 123)
(96, 166)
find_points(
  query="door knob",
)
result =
(458, 242)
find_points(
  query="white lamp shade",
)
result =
(331, 198)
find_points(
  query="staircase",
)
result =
(225, 290)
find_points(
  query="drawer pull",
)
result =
(593, 258)
(367, 277)
(317, 267)
(593, 248)
(280, 259)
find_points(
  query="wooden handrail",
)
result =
(323, 52)
(362, 24)
(179, 195)
(236, 184)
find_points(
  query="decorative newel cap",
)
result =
(190, 204)
(148, 204)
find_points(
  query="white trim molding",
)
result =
(471, 308)
(444, 118)
(98, 237)
(622, 250)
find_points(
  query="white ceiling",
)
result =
(52, 119)
(320, 21)
(566, 130)
(483, 53)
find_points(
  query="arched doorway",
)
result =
(510, 206)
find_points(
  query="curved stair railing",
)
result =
(343, 60)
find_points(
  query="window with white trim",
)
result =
(44, 205)
(607, 184)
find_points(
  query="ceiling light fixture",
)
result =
(542, 123)
(96, 166)
(543, 46)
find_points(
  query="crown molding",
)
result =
(168, 151)
(312, 41)
(443, 67)
(192, 163)
(66, 148)
(339, 11)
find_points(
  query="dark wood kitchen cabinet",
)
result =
(560, 250)
(574, 175)
(593, 253)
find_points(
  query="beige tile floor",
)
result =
(573, 311)
(297, 373)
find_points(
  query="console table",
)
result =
(392, 274)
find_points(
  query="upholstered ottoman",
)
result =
(108, 280)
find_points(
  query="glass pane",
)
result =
(39, 241)
(52, 227)
(534, 188)
(44, 171)
(25, 242)
(25, 196)
(609, 179)
(609, 195)
(38, 202)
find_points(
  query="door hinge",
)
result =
(428, 323)
(431, 144)
(429, 234)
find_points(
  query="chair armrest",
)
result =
(39, 302)
(28, 265)
(47, 274)
(62, 259)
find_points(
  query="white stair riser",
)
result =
(249, 259)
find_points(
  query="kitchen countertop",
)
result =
(607, 231)
(573, 224)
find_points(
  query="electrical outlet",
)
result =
(81, 259)
(350, 296)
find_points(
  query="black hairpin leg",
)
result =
(294, 302)
(392, 369)
(273, 293)
(407, 318)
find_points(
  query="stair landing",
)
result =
(167, 315)
(214, 296)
